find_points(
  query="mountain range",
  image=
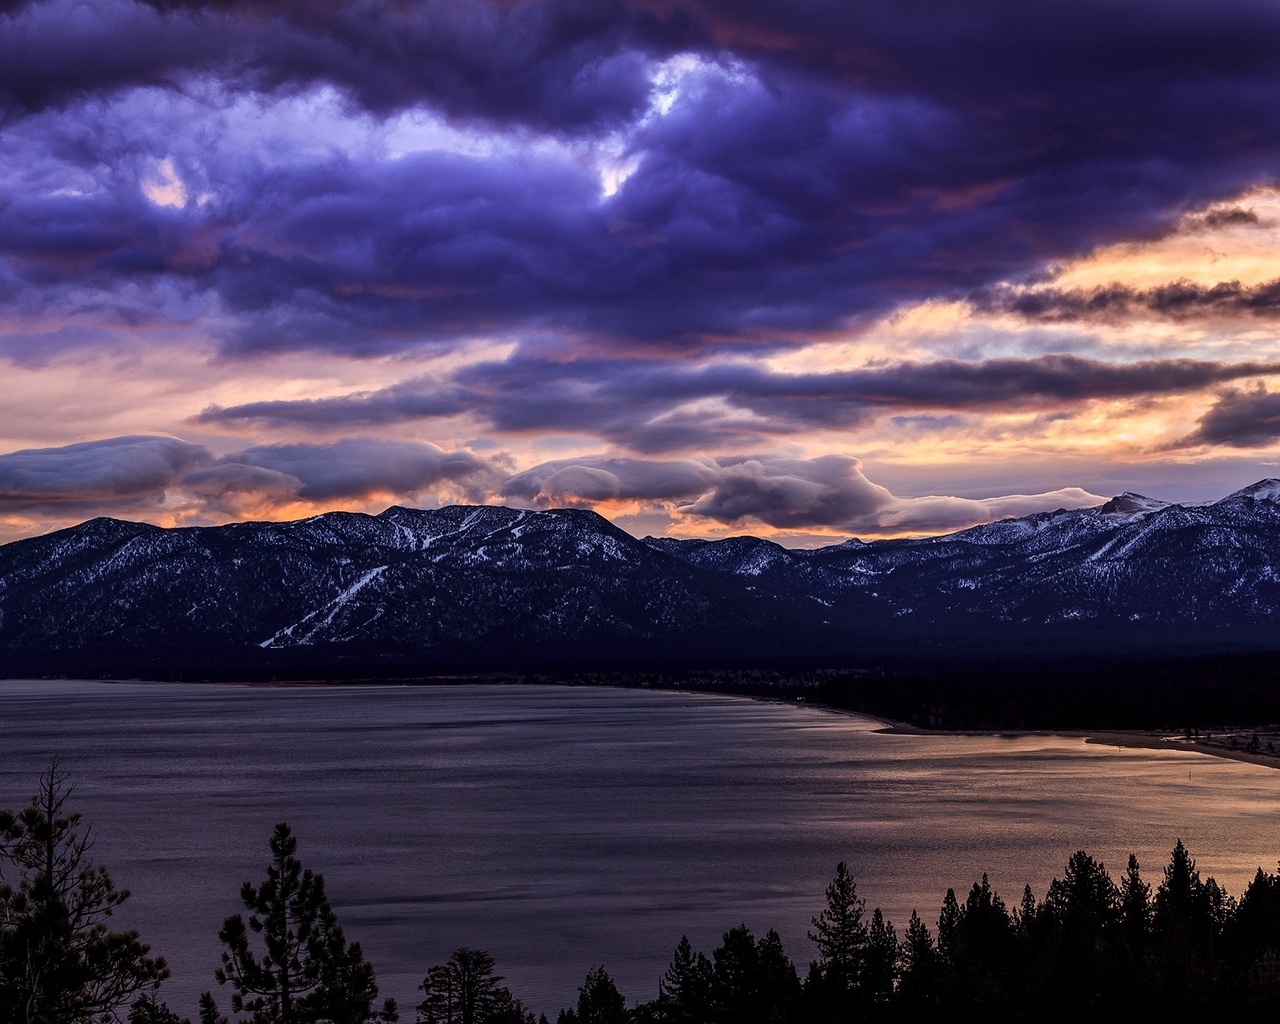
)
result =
(475, 587)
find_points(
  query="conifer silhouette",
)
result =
(59, 961)
(307, 973)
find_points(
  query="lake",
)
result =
(561, 828)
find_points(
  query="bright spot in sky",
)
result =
(164, 187)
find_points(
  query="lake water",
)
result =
(561, 828)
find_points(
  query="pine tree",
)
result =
(1183, 932)
(1085, 900)
(840, 934)
(1135, 906)
(684, 991)
(599, 1002)
(307, 972)
(59, 962)
(465, 990)
(1181, 889)
(736, 976)
(949, 927)
(919, 960)
(779, 985)
(882, 960)
(1024, 918)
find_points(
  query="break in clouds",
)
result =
(149, 474)
(640, 206)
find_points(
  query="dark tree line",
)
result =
(1093, 947)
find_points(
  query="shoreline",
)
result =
(1101, 737)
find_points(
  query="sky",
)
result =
(806, 270)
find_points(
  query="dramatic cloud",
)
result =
(941, 514)
(793, 493)
(170, 480)
(828, 493)
(354, 467)
(166, 479)
(1239, 419)
(638, 404)
(674, 174)
(1178, 300)
(562, 65)
(594, 480)
(120, 467)
(666, 232)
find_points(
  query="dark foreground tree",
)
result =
(599, 1002)
(59, 961)
(840, 933)
(834, 985)
(307, 973)
(467, 990)
(684, 991)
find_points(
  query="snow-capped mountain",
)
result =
(487, 582)
(406, 578)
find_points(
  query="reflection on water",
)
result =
(562, 828)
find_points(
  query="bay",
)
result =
(564, 827)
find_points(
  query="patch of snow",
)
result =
(1131, 505)
(333, 607)
(1265, 490)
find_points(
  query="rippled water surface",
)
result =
(561, 828)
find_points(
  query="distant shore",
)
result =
(1106, 737)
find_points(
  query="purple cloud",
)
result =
(785, 493)
(118, 467)
(128, 474)
(814, 166)
(138, 476)
(1178, 300)
(593, 480)
(1239, 419)
(546, 64)
(793, 493)
(350, 468)
(830, 492)
(637, 404)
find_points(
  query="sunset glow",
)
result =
(676, 262)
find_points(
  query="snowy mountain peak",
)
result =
(1132, 504)
(1263, 490)
(486, 581)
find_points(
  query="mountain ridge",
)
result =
(480, 584)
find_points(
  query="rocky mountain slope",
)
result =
(485, 583)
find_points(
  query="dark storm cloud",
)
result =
(557, 65)
(1179, 300)
(827, 162)
(131, 473)
(350, 468)
(399, 403)
(1219, 218)
(145, 476)
(120, 467)
(604, 479)
(785, 493)
(793, 493)
(1239, 419)
(638, 404)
